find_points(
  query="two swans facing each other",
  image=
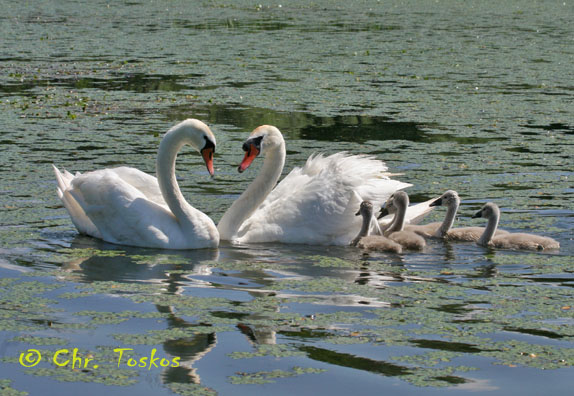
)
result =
(128, 207)
(312, 205)
(521, 241)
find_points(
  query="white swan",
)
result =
(314, 204)
(443, 230)
(128, 207)
(398, 203)
(372, 242)
(519, 240)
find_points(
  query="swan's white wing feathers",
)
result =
(120, 205)
(143, 182)
(122, 213)
(317, 203)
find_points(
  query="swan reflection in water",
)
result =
(186, 273)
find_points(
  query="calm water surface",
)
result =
(472, 96)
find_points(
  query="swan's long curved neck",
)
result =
(490, 229)
(448, 220)
(398, 221)
(254, 195)
(170, 145)
(364, 228)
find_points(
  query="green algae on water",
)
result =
(191, 389)
(40, 340)
(7, 390)
(103, 317)
(266, 377)
(277, 351)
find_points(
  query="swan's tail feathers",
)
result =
(62, 185)
(354, 166)
(368, 176)
(379, 190)
(77, 213)
(416, 213)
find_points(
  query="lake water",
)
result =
(472, 96)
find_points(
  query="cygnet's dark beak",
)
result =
(477, 214)
(438, 202)
(383, 213)
(358, 212)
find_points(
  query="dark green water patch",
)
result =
(535, 332)
(446, 346)
(555, 126)
(229, 315)
(518, 150)
(454, 308)
(134, 82)
(355, 362)
(306, 126)
(361, 129)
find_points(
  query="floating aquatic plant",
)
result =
(277, 351)
(265, 377)
(191, 389)
(7, 390)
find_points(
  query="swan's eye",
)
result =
(256, 141)
(208, 144)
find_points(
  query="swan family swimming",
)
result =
(313, 204)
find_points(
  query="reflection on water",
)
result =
(122, 265)
(305, 301)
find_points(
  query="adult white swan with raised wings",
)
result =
(315, 204)
(129, 207)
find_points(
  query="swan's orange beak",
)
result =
(207, 154)
(250, 155)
